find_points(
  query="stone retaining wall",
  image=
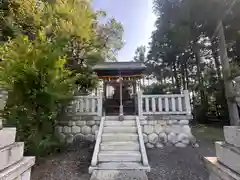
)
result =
(158, 133)
(78, 127)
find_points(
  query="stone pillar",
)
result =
(3, 99)
(12, 163)
(226, 164)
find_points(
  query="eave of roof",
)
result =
(119, 66)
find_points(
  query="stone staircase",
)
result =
(13, 166)
(121, 145)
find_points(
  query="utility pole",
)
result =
(232, 105)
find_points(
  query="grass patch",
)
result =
(208, 133)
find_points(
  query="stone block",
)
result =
(145, 138)
(163, 138)
(148, 129)
(7, 136)
(183, 122)
(66, 129)
(86, 130)
(232, 135)
(228, 155)
(153, 138)
(158, 128)
(80, 123)
(152, 122)
(26, 175)
(162, 122)
(59, 129)
(172, 138)
(62, 137)
(96, 118)
(175, 128)
(143, 122)
(72, 123)
(169, 122)
(219, 171)
(69, 138)
(90, 137)
(76, 129)
(149, 145)
(11, 154)
(167, 129)
(183, 138)
(17, 170)
(97, 122)
(180, 145)
(91, 123)
(159, 145)
(76, 118)
(187, 130)
(94, 128)
(78, 138)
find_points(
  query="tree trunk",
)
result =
(183, 73)
(214, 48)
(186, 74)
(178, 86)
(232, 106)
(196, 51)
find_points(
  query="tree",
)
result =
(184, 51)
(48, 47)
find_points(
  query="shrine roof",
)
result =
(119, 66)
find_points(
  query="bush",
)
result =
(38, 85)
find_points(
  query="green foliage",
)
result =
(39, 85)
(47, 51)
(184, 53)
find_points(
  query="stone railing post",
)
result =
(187, 102)
(139, 97)
(100, 104)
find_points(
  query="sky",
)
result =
(137, 19)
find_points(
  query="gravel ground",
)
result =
(166, 164)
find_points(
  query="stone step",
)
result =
(119, 137)
(18, 171)
(228, 155)
(7, 136)
(122, 156)
(113, 129)
(120, 146)
(120, 123)
(116, 174)
(123, 165)
(11, 154)
(116, 118)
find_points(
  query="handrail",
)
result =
(141, 142)
(162, 95)
(97, 145)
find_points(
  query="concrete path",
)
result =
(118, 175)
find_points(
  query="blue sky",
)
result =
(137, 19)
